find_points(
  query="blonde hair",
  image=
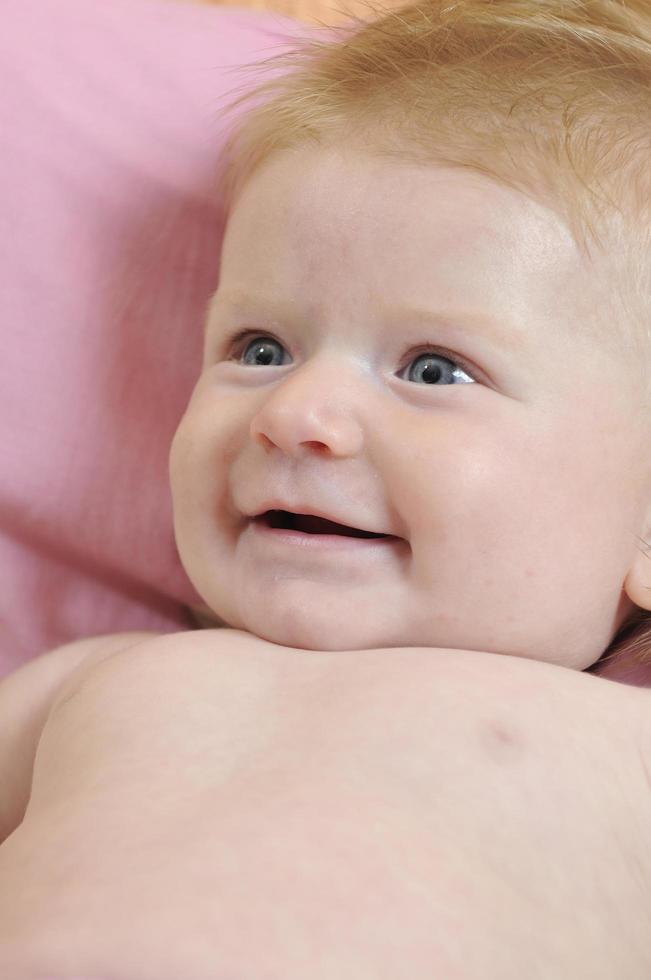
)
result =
(549, 97)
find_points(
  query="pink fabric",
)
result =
(110, 231)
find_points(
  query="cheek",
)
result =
(203, 453)
(189, 461)
(546, 498)
(461, 471)
(179, 458)
(500, 483)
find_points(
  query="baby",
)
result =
(392, 762)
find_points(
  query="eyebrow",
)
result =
(475, 322)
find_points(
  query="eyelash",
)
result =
(238, 343)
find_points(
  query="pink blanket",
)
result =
(111, 230)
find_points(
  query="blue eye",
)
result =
(259, 347)
(435, 367)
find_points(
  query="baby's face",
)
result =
(420, 360)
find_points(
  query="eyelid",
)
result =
(235, 342)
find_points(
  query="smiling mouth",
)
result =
(284, 520)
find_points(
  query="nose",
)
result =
(315, 407)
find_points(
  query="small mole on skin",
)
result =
(502, 741)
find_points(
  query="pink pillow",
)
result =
(111, 231)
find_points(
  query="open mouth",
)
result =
(308, 524)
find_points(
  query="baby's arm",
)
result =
(26, 698)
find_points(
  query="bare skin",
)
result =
(212, 806)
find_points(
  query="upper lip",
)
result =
(312, 511)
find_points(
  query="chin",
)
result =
(304, 635)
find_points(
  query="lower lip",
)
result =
(320, 542)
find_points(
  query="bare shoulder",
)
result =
(55, 671)
(531, 696)
(26, 700)
(27, 694)
(517, 682)
(172, 661)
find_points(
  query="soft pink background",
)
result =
(110, 233)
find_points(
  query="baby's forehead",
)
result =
(341, 189)
(438, 229)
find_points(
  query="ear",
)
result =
(637, 584)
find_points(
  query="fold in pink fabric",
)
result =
(110, 231)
